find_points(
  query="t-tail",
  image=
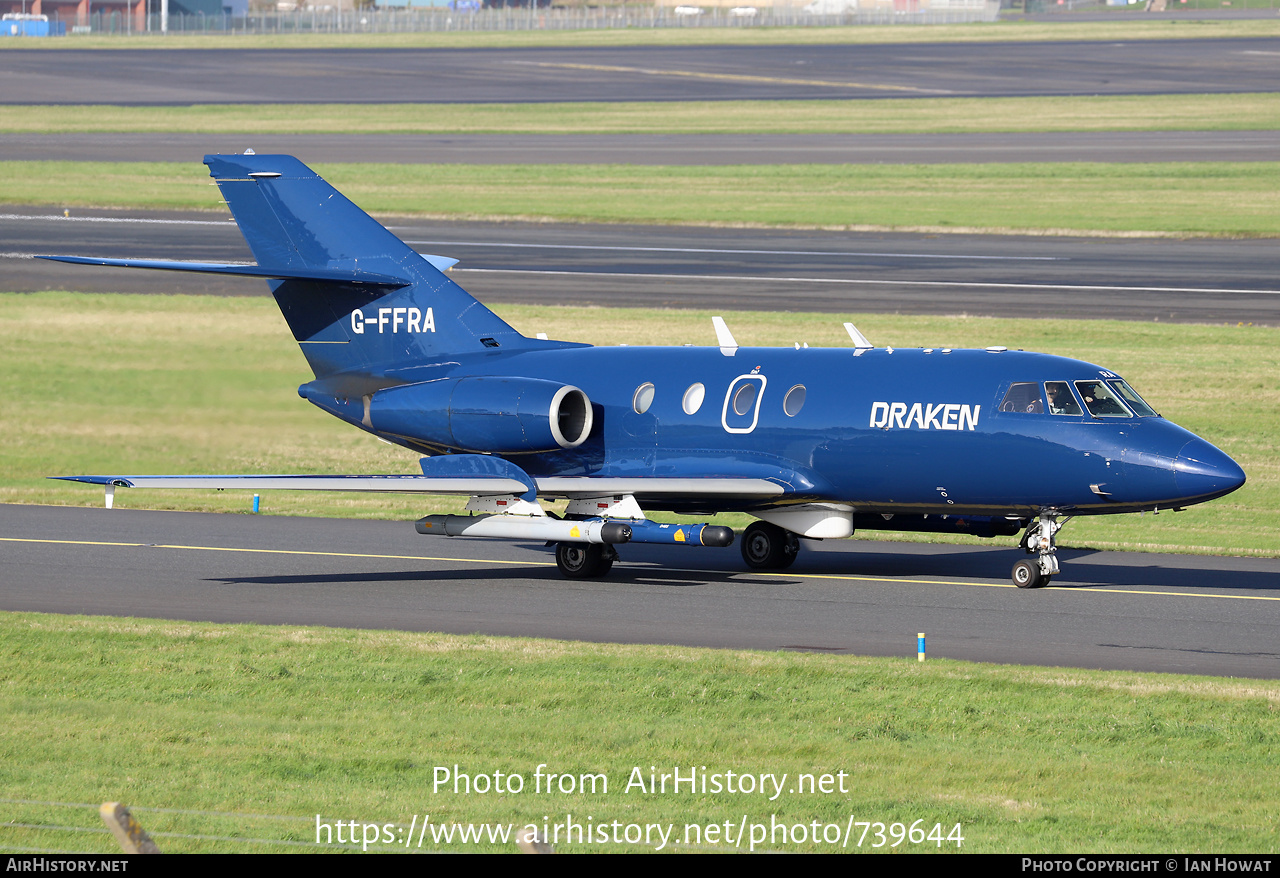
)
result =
(398, 309)
(362, 304)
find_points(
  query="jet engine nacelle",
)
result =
(485, 414)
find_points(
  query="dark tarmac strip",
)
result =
(1169, 613)
(637, 73)
(1196, 280)
(661, 149)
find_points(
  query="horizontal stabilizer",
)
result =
(334, 275)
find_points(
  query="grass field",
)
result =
(1171, 198)
(1240, 112)
(151, 384)
(234, 737)
(1007, 31)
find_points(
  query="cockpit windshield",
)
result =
(1139, 406)
(1061, 400)
(1104, 398)
(1022, 397)
(1101, 400)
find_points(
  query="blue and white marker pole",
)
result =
(255, 509)
(920, 646)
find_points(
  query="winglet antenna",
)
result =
(859, 340)
(724, 337)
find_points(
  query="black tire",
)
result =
(766, 546)
(790, 548)
(1026, 574)
(581, 560)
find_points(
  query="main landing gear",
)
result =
(585, 560)
(1039, 540)
(766, 546)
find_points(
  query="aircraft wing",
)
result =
(389, 484)
(476, 485)
(478, 475)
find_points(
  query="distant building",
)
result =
(131, 13)
(76, 12)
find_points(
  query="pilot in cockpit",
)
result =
(1061, 402)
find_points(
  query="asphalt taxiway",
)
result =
(1169, 613)
(631, 73)
(1149, 279)
(661, 149)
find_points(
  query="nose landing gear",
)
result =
(1039, 540)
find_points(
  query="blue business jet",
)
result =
(814, 443)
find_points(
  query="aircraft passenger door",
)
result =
(741, 409)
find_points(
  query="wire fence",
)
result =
(528, 18)
(35, 826)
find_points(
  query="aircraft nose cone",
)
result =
(1202, 471)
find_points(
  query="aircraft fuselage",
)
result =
(890, 431)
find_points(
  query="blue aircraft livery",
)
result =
(814, 443)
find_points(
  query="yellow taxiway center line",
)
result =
(836, 576)
(273, 551)
(1059, 590)
(734, 77)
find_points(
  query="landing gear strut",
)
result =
(1039, 540)
(766, 546)
(584, 560)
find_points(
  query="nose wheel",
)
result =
(1026, 574)
(1039, 540)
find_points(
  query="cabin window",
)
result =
(793, 401)
(1137, 403)
(643, 398)
(693, 399)
(1101, 400)
(1061, 400)
(745, 398)
(1023, 397)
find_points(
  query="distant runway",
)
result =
(1181, 614)
(661, 149)
(1199, 280)
(632, 73)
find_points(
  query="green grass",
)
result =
(244, 722)
(890, 116)
(1016, 31)
(1200, 198)
(159, 384)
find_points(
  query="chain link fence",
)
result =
(432, 20)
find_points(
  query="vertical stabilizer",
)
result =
(294, 221)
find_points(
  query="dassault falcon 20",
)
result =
(812, 442)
